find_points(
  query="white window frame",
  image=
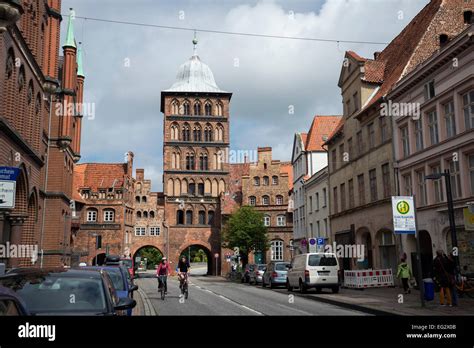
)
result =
(276, 250)
(281, 220)
(266, 200)
(252, 201)
(279, 200)
(154, 231)
(267, 220)
(140, 231)
(107, 217)
(89, 217)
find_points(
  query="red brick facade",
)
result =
(30, 70)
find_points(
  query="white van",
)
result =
(313, 270)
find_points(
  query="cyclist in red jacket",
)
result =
(162, 273)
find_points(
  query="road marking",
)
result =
(225, 298)
(250, 309)
(149, 309)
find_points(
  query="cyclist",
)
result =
(162, 273)
(183, 269)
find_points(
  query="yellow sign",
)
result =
(403, 207)
(468, 220)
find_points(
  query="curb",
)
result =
(149, 309)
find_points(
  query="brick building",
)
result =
(36, 135)
(103, 222)
(362, 177)
(266, 187)
(196, 172)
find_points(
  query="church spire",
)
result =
(195, 42)
(70, 40)
(80, 67)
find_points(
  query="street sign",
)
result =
(320, 241)
(312, 245)
(403, 210)
(216, 255)
(7, 194)
(9, 173)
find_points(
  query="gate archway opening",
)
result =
(200, 259)
(146, 258)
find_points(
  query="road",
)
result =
(216, 296)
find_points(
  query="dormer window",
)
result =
(467, 17)
(443, 39)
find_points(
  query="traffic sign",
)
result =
(312, 245)
(320, 241)
(9, 173)
(216, 255)
(7, 194)
(403, 210)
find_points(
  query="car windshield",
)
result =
(322, 260)
(57, 294)
(117, 279)
(127, 263)
(281, 267)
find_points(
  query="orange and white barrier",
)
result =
(361, 279)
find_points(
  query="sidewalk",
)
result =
(387, 300)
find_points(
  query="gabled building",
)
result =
(308, 158)
(362, 176)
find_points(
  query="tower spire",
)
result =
(80, 67)
(195, 42)
(70, 40)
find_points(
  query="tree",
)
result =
(246, 231)
(152, 255)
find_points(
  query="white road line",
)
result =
(252, 310)
(225, 298)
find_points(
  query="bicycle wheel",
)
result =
(186, 292)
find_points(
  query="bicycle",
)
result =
(466, 286)
(183, 285)
(162, 279)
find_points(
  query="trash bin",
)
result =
(429, 289)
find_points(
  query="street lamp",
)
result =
(449, 196)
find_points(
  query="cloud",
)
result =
(127, 66)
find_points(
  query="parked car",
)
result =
(247, 271)
(275, 274)
(60, 291)
(256, 275)
(11, 304)
(129, 264)
(120, 279)
(313, 270)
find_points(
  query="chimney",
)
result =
(140, 174)
(376, 55)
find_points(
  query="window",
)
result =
(317, 201)
(341, 154)
(98, 242)
(468, 18)
(202, 217)
(343, 197)
(455, 179)
(256, 181)
(190, 161)
(349, 148)
(208, 109)
(139, 214)
(210, 217)
(197, 133)
(192, 189)
(175, 107)
(360, 143)
(405, 141)
(277, 250)
(275, 180)
(180, 217)
(325, 198)
(471, 172)
(265, 200)
(361, 185)
(407, 185)
(418, 134)
(373, 185)
(140, 231)
(203, 162)
(174, 132)
(266, 220)
(449, 119)
(266, 181)
(386, 180)
(433, 126)
(186, 132)
(145, 215)
(201, 189)
(429, 90)
(137, 199)
(109, 215)
(252, 201)
(334, 190)
(351, 193)
(91, 215)
(371, 134)
(197, 108)
(468, 109)
(318, 228)
(355, 98)
(437, 186)
(279, 200)
(383, 129)
(152, 214)
(208, 133)
(281, 220)
(421, 199)
(326, 230)
(154, 231)
(333, 159)
(219, 109)
(189, 217)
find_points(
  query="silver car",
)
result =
(256, 275)
(275, 274)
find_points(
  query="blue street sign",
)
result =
(320, 241)
(9, 173)
(312, 241)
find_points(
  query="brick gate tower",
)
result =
(195, 168)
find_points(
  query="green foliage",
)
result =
(245, 230)
(152, 255)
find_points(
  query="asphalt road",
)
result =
(216, 296)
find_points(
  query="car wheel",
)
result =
(318, 290)
(288, 286)
(302, 287)
(335, 289)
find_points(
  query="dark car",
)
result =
(11, 304)
(247, 271)
(59, 291)
(120, 278)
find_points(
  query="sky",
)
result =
(278, 85)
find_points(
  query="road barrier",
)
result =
(368, 278)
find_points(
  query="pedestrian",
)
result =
(441, 277)
(451, 269)
(404, 273)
